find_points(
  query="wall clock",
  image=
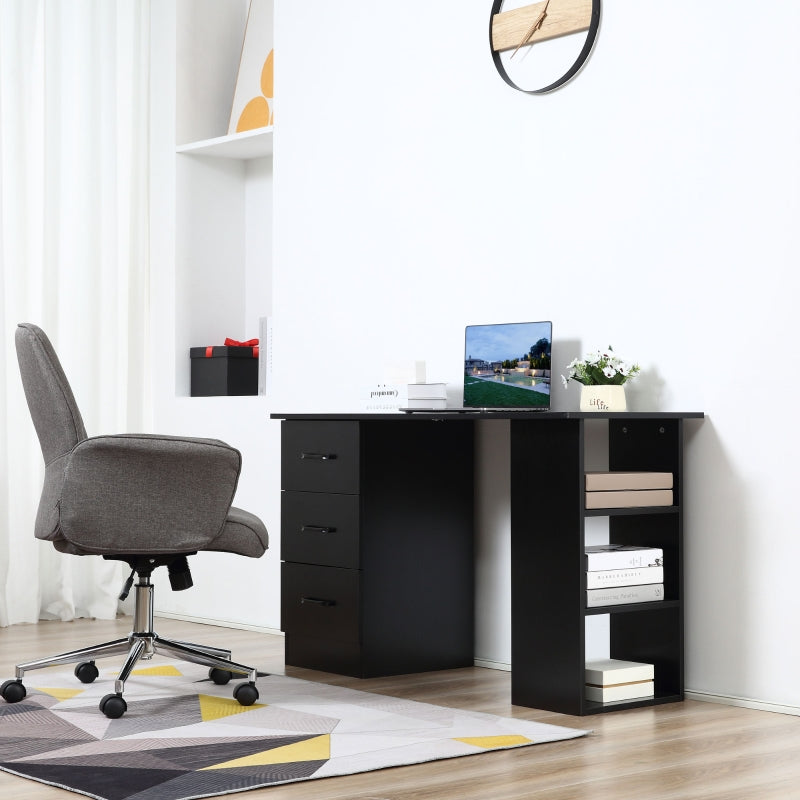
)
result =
(519, 32)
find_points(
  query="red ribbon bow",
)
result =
(233, 343)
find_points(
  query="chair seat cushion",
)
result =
(243, 533)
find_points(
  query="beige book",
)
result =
(613, 481)
(625, 691)
(629, 499)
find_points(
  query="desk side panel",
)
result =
(547, 577)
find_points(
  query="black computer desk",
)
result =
(378, 551)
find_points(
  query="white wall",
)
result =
(651, 204)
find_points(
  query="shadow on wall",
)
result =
(718, 581)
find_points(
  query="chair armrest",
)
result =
(145, 494)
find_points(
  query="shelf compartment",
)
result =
(656, 605)
(630, 512)
(593, 707)
(239, 146)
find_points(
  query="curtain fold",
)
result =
(74, 126)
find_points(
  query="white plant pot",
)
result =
(603, 398)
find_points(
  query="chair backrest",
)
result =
(55, 413)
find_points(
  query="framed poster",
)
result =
(253, 101)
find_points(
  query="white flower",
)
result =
(623, 369)
(609, 371)
(564, 381)
(593, 358)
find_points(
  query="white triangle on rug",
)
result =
(93, 722)
(361, 718)
(350, 744)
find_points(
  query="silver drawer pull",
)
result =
(318, 456)
(317, 529)
(316, 601)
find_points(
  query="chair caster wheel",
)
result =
(113, 706)
(220, 676)
(246, 694)
(86, 672)
(13, 691)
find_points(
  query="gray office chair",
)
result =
(149, 501)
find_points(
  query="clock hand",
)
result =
(533, 28)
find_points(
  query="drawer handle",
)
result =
(316, 529)
(316, 601)
(318, 456)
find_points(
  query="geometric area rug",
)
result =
(185, 737)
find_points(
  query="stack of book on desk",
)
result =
(628, 489)
(617, 574)
(427, 395)
(611, 680)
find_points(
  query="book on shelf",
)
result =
(618, 595)
(611, 680)
(629, 498)
(616, 481)
(427, 391)
(614, 694)
(615, 671)
(632, 576)
(622, 556)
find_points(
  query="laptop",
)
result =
(506, 368)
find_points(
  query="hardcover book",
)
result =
(613, 671)
(629, 499)
(634, 576)
(624, 594)
(611, 694)
(619, 556)
(615, 481)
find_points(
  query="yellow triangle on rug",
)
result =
(212, 708)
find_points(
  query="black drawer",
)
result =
(320, 528)
(321, 602)
(320, 456)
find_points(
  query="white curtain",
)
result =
(74, 120)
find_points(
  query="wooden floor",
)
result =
(681, 750)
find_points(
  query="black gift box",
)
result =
(223, 371)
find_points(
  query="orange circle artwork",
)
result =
(254, 115)
(257, 114)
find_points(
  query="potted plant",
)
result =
(602, 376)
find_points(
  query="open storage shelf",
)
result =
(548, 577)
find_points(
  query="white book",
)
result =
(626, 691)
(618, 556)
(613, 671)
(619, 595)
(633, 576)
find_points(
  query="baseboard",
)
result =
(487, 664)
(743, 702)
(220, 623)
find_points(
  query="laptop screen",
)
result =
(507, 365)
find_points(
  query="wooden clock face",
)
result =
(541, 46)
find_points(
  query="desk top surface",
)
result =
(466, 416)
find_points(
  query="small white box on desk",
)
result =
(427, 391)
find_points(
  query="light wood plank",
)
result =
(563, 17)
(700, 750)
